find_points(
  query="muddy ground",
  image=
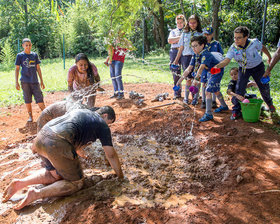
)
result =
(177, 169)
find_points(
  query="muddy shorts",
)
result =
(30, 89)
(58, 154)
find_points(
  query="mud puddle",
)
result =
(156, 174)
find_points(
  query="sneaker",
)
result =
(206, 117)
(214, 104)
(114, 96)
(120, 96)
(203, 105)
(177, 97)
(235, 116)
(30, 119)
(194, 102)
(272, 109)
(220, 109)
(186, 101)
(264, 108)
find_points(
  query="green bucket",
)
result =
(251, 111)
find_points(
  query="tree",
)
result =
(215, 17)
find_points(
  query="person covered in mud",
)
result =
(58, 109)
(59, 143)
(83, 74)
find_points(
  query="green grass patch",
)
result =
(154, 69)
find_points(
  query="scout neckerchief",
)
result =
(197, 57)
(208, 45)
(192, 34)
(244, 55)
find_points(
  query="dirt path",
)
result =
(178, 170)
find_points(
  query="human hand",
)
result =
(17, 86)
(42, 85)
(267, 73)
(106, 63)
(241, 98)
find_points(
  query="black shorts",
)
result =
(58, 154)
(30, 89)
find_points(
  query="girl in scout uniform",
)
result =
(192, 28)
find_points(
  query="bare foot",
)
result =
(30, 197)
(11, 190)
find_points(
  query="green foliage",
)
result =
(7, 55)
(87, 24)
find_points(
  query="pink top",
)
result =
(119, 54)
(79, 80)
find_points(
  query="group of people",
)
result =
(65, 130)
(198, 53)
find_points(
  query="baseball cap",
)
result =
(208, 30)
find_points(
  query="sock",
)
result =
(187, 92)
(208, 106)
(213, 97)
(221, 99)
(203, 94)
(197, 94)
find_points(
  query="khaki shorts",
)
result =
(58, 154)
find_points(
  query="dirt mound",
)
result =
(176, 169)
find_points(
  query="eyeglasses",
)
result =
(238, 38)
(194, 46)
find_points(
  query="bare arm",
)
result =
(274, 60)
(70, 80)
(229, 92)
(199, 71)
(110, 53)
(113, 159)
(181, 48)
(185, 74)
(174, 40)
(264, 50)
(16, 77)
(40, 76)
(223, 63)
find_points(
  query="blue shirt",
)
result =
(214, 46)
(209, 59)
(248, 57)
(278, 45)
(28, 63)
(175, 33)
(185, 41)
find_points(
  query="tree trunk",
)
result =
(161, 24)
(215, 18)
(26, 14)
(146, 40)
(183, 9)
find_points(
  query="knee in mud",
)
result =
(78, 183)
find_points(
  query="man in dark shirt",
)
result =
(59, 143)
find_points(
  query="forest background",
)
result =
(85, 24)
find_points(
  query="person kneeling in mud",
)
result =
(59, 143)
(58, 109)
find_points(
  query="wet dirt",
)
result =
(177, 170)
